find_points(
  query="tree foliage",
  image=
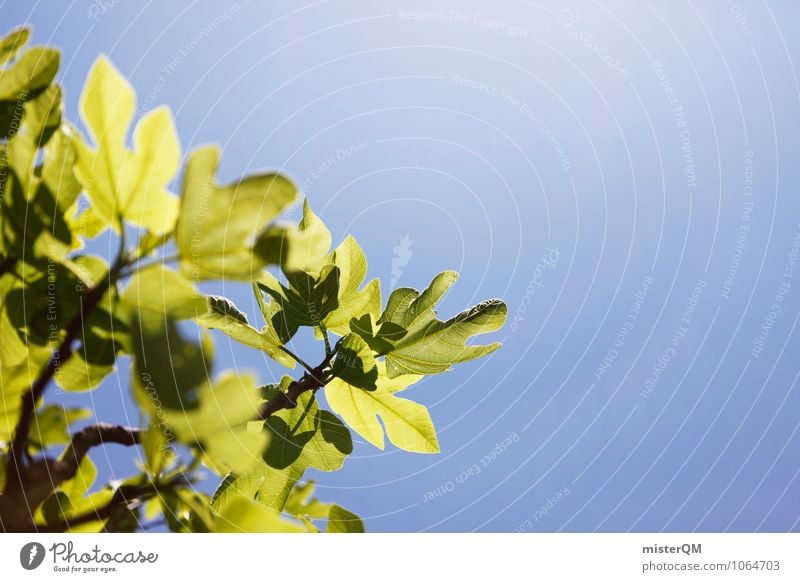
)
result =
(67, 316)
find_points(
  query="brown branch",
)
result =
(92, 436)
(289, 398)
(125, 496)
(42, 477)
(16, 455)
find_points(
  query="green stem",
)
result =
(326, 339)
(297, 359)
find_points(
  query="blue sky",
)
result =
(624, 176)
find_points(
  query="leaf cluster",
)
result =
(68, 315)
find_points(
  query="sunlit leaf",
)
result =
(121, 182)
(301, 438)
(243, 515)
(14, 382)
(168, 369)
(408, 424)
(354, 363)
(306, 248)
(431, 346)
(302, 504)
(161, 290)
(223, 315)
(353, 302)
(12, 43)
(218, 425)
(340, 520)
(51, 424)
(218, 224)
(306, 301)
(34, 70)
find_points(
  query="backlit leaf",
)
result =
(408, 424)
(353, 302)
(50, 425)
(354, 363)
(34, 70)
(161, 290)
(430, 346)
(12, 43)
(300, 438)
(121, 182)
(218, 224)
(218, 425)
(223, 315)
(243, 515)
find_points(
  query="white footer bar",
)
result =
(406, 557)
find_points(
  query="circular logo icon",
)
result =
(31, 555)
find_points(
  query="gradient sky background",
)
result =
(609, 138)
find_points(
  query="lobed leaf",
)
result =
(431, 346)
(218, 425)
(408, 424)
(218, 225)
(223, 315)
(300, 438)
(120, 182)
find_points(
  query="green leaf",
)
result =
(30, 73)
(12, 43)
(354, 363)
(41, 299)
(218, 426)
(408, 424)
(302, 504)
(276, 326)
(161, 290)
(352, 302)
(37, 196)
(121, 182)
(157, 450)
(41, 117)
(168, 370)
(430, 346)
(300, 438)
(380, 338)
(223, 315)
(14, 382)
(77, 487)
(56, 507)
(184, 510)
(307, 247)
(307, 300)
(92, 361)
(413, 310)
(12, 347)
(51, 424)
(341, 520)
(218, 225)
(243, 515)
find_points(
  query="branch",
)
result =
(128, 496)
(45, 475)
(31, 397)
(14, 463)
(92, 436)
(289, 398)
(313, 379)
(124, 496)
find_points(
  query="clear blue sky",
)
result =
(625, 175)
